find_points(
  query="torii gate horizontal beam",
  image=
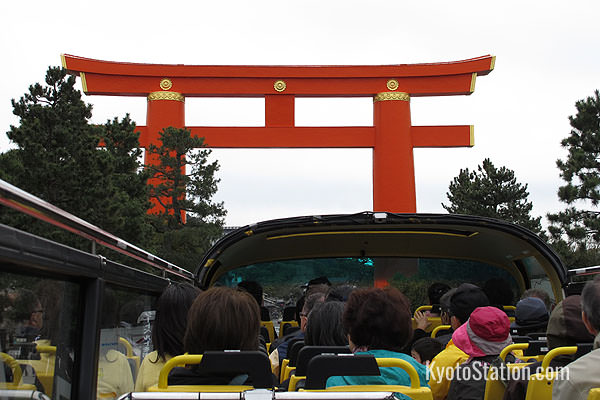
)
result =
(321, 137)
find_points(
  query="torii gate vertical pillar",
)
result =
(393, 167)
(164, 109)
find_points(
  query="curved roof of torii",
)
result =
(429, 79)
(481, 65)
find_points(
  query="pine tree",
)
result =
(491, 192)
(187, 220)
(577, 228)
(59, 159)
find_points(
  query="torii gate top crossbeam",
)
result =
(138, 79)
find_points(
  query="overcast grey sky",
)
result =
(547, 58)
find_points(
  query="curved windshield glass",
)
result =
(284, 281)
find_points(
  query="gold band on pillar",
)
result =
(166, 96)
(385, 96)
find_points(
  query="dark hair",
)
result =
(254, 288)
(465, 299)
(311, 300)
(130, 311)
(436, 291)
(590, 302)
(445, 300)
(324, 326)
(540, 294)
(222, 319)
(340, 293)
(321, 280)
(427, 348)
(498, 292)
(378, 319)
(318, 293)
(171, 318)
(298, 309)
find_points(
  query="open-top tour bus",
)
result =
(67, 315)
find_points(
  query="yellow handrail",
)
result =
(175, 362)
(439, 328)
(556, 352)
(415, 383)
(14, 366)
(422, 308)
(45, 349)
(511, 347)
(127, 346)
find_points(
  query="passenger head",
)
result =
(28, 309)
(465, 299)
(130, 311)
(445, 306)
(378, 319)
(324, 326)
(321, 280)
(565, 326)
(486, 332)
(222, 318)
(254, 288)
(424, 349)
(317, 285)
(313, 297)
(170, 320)
(540, 294)
(340, 293)
(531, 315)
(498, 292)
(436, 291)
(590, 303)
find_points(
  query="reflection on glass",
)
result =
(38, 327)
(125, 339)
(284, 281)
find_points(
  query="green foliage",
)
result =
(58, 159)
(492, 192)
(576, 230)
(93, 172)
(179, 193)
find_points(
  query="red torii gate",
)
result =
(392, 137)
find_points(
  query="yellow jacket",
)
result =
(442, 369)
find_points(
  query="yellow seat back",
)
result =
(44, 367)
(283, 324)
(511, 317)
(494, 387)
(415, 391)
(241, 364)
(181, 361)
(294, 379)
(270, 329)
(282, 372)
(540, 384)
(594, 394)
